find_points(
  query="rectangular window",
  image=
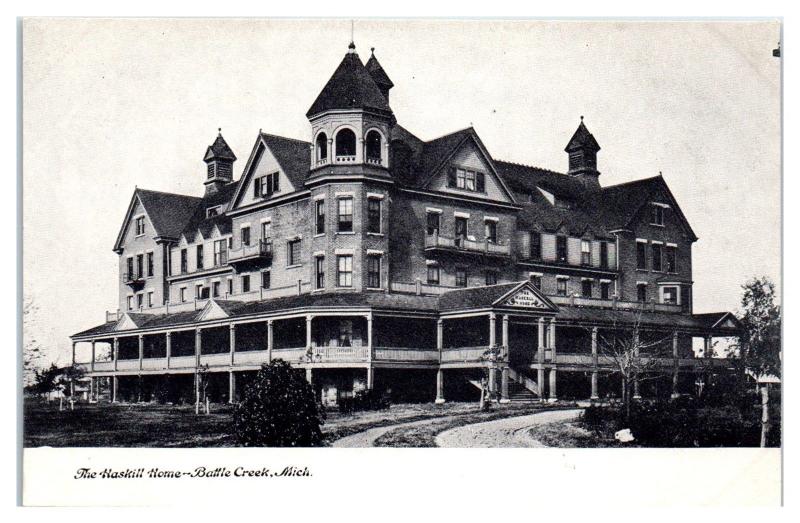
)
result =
(266, 230)
(257, 182)
(150, 299)
(670, 258)
(670, 295)
(461, 277)
(319, 211)
(433, 275)
(139, 300)
(432, 220)
(344, 271)
(461, 176)
(183, 294)
(604, 255)
(140, 226)
(220, 253)
(536, 246)
(345, 214)
(199, 257)
(131, 273)
(201, 292)
(345, 333)
(461, 228)
(657, 215)
(245, 283)
(140, 265)
(586, 288)
(641, 292)
(266, 278)
(150, 265)
(605, 290)
(586, 252)
(374, 271)
(184, 261)
(656, 248)
(490, 231)
(319, 271)
(561, 249)
(293, 255)
(641, 255)
(561, 286)
(245, 235)
(230, 286)
(215, 289)
(130, 303)
(536, 280)
(491, 277)
(265, 186)
(470, 181)
(373, 215)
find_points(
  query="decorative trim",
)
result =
(376, 195)
(491, 219)
(343, 251)
(374, 252)
(317, 254)
(459, 214)
(433, 210)
(320, 196)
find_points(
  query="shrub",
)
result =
(368, 399)
(278, 409)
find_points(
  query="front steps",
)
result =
(521, 389)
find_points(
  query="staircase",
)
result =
(521, 389)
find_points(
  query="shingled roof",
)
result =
(219, 150)
(350, 87)
(200, 220)
(294, 156)
(377, 72)
(582, 139)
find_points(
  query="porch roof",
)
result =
(660, 320)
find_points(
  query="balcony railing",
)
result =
(374, 161)
(345, 159)
(463, 354)
(133, 279)
(436, 241)
(322, 161)
(260, 251)
(579, 301)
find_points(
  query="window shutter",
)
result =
(276, 182)
(256, 187)
(451, 176)
(480, 182)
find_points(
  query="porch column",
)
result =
(553, 337)
(231, 387)
(309, 376)
(74, 343)
(141, 350)
(492, 379)
(492, 329)
(309, 317)
(114, 384)
(595, 365)
(91, 366)
(116, 352)
(504, 386)
(169, 347)
(198, 346)
(675, 365)
(370, 378)
(269, 341)
(439, 338)
(439, 386)
(91, 389)
(707, 339)
(369, 344)
(232, 341)
(540, 358)
(552, 396)
(505, 334)
(636, 394)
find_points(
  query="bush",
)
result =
(364, 400)
(278, 409)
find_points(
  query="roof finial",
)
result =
(219, 130)
(352, 35)
(372, 50)
(581, 117)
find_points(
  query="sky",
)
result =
(109, 105)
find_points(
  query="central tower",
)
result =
(351, 119)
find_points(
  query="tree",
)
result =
(44, 381)
(31, 349)
(278, 409)
(623, 347)
(759, 345)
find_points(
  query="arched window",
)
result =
(322, 148)
(374, 147)
(345, 145)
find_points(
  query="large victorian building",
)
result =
(371, 258)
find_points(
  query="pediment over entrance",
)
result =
(526, 296)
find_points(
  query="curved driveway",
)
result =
(505, 432)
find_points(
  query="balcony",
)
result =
(374, 160)
(133, 280)
(436, 242)
(345, 159)
(251, 255)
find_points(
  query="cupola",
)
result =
(219, 158)
(582, 150)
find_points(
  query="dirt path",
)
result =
(367, 438)
(506, 432)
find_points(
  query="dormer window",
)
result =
(265, 186)
(657, 214)
(212, 211)
(374, 147)
(322, 149)
(140, 227)
(466, 180)
(345, 146)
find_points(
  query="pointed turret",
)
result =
(219, 158)
(582, 150)
(382, 79)
(350, 87)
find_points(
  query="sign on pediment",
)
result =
(525, 298)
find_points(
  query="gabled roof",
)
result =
(168, 213)
(350, 87)
(219, 150)
(199, 222)
(294, 156)
(489, 296)
(582, 139)
(377, 72)
(714, 320)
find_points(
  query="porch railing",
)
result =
(405, 354)
(463, 354)
(464, 244)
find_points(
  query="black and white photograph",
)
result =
(422, 233)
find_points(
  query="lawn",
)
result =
(151, 425)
